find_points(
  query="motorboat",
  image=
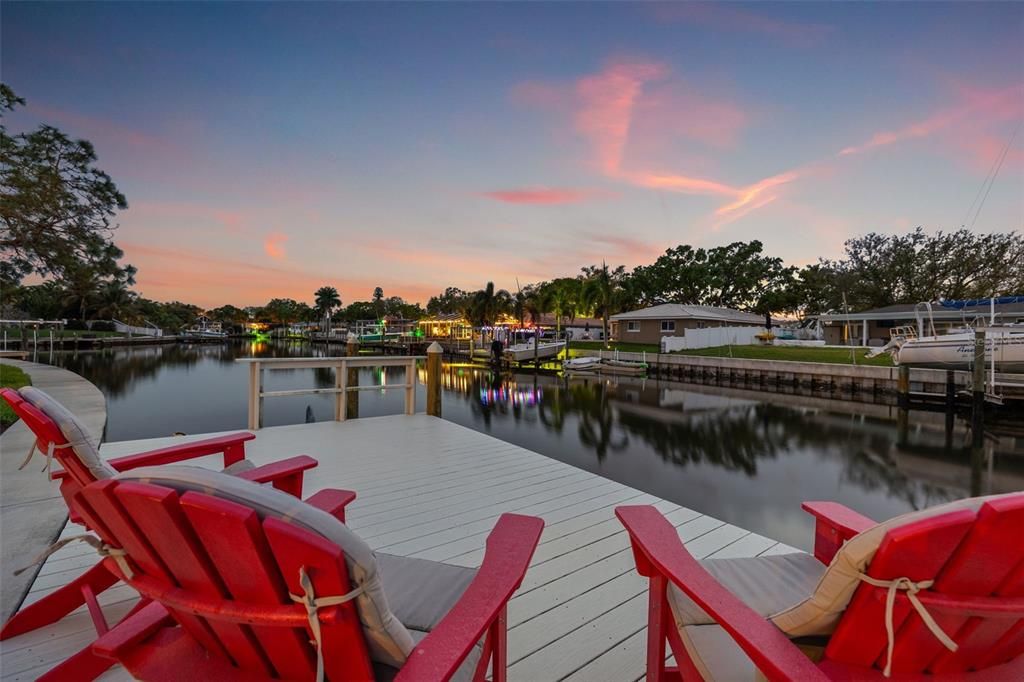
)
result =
(524, 352)
(598, 364)
(204, 329)
(586, 363)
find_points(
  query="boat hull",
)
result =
(956, 351)
(526, 352)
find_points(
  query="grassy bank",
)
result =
(614, 345)
(792, 353)
(14, 333)
(10, 377)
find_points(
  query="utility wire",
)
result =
(1002, 158)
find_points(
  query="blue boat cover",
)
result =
(978, 302)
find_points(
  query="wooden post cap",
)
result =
(435, 347)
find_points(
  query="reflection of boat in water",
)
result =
(523, 352)
(1004, 343)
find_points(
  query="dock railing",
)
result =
(341, 388)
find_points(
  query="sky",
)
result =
(268, 149)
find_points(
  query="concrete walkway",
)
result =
(32, 512)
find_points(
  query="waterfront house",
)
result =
(872, 327)
(649, 325)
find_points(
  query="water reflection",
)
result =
(746, 457)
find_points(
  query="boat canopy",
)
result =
(978, 302)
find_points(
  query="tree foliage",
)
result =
(57, 208)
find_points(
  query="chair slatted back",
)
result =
(968, 555)
(220, 555)
(46, 432)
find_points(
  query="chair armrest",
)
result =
(132, 631)
(332, 501)
(660, 552)
(510, 547)
(232, 445)
(285, 475)
(834, 525)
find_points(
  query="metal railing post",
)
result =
(410, 387)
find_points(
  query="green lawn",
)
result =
(14, 333)
(10, 377)
(625, 347)
(793, 353)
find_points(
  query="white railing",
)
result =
(341, 388)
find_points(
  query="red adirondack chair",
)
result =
(932, 595)
(57, 431)
(246, 584)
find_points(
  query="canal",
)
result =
(748, 458)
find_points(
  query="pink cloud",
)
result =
(728, 17)
(273, 245)
(965, 126)
(605, 111)
(545, 196)
(232, 220)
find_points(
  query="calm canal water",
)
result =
(744, 457)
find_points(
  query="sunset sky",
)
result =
(268, 149)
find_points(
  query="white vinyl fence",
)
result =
(123, 328)
(711, 337)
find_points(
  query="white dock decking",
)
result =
(432, 489)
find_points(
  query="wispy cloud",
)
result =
(547, 195)
(273, 245)
(966, 125)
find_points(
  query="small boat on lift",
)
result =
(600, 365)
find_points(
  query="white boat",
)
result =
(524, 352)
(593, 363)
(1004, 348)
(1004, 345)
(204, 329)
(588, 363)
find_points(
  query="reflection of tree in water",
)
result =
(597, 427)
(732, 438)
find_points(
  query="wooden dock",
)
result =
(432, 489)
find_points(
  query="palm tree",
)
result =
(538, 302)
(80, 283)
(603, 293)
(115, 300)
(562, 301)
(327, 301)
(487, 305)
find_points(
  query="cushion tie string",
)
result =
(912, 589)
(49, 453)
(312, 603)
(103, 549)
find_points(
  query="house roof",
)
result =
(677, 311)
(905, 311)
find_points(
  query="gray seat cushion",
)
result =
(420, 594)
(765, 584)
(74, 432)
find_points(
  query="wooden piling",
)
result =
(352, 379)
(434, 380)
(903, 387)
(978, 390)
